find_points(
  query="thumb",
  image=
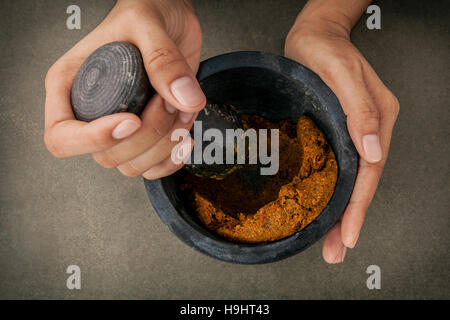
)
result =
(167, 69)
(72, 137)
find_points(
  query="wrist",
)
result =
(326, 23)
(332, 17)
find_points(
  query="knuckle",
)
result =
(49, 77)
(128, 170)
(358, 205)
(55, 72)
(300, 37)
(390, 106)
(52, 147)
(101, 140)
(164, 171)
(369, 113)
(378, 166)
(104, 160)
(132, 13)
(149, 176)
(160, 58)
(162, 130)
(331, 67)
(57, 78)
(294, 39)
(294, 36)
(97, 140)
(337, 64)
(155, 176)
(162, 127)
(395, 105)
(353, 64)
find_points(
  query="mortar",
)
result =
(275, 88)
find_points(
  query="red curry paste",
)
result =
(249, 211)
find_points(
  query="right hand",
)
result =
(322, 44)
(168, 35)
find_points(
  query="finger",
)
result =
(58, 85)
(385, 100)
(170, 74)
(363, 118)
(343, 72)
(169, 166)
(160, 151)
(333, 250)
(72, 137)
(365, 187)
(157, 120)
(64, 136)
(370, 174)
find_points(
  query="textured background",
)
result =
(54, 213)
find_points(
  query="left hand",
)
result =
(324, 46)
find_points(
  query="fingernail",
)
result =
(187, 92)
(372, 148)
(125, 129)
(341, 255)
(169, 108)
(185, 117)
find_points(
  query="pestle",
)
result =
(113, 79)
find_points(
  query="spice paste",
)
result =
(249, 208)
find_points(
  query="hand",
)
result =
(324, 46)
(169, 37)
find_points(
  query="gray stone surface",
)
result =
(54, 213)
